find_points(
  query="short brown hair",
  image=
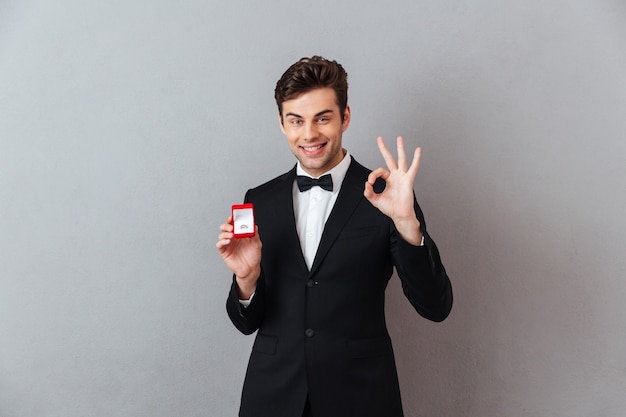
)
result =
(308, 74)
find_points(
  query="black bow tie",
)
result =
(305, 183)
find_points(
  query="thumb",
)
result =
(369, 193)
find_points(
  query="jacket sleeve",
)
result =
(424, 280)
(247, 319)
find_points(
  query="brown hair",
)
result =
(308, 74)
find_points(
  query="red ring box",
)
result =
(243, 220)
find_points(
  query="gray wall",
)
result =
(128, 128)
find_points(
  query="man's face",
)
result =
(313, 126)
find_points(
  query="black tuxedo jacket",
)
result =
(322, 333)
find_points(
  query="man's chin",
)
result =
(313, 169)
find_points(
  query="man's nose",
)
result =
(311, 131)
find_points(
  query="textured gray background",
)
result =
(127, 128)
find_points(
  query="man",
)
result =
(312, 279)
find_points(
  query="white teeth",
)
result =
(312, 148)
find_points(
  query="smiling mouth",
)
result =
(313, 148)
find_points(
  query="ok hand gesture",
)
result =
(396, 201)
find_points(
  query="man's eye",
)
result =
(296, 122)
(322, 119)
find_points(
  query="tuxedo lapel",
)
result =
(284, 220)
(350, 196)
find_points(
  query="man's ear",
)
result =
(346, 119)
(280, 122)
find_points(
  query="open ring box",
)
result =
(243, 220)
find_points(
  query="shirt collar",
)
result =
(338, 173)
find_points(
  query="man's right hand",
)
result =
(242, 256)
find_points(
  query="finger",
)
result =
(226, 227)
(370, 194)
(387, 156)
(401, 154)
(225, 235)
(221, 244)
(417, 155)
(377, 173)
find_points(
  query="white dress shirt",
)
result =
(312, 208)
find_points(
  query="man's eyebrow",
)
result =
(318, 114)
(323, 112)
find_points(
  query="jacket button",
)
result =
(310, 283)
(309, 332)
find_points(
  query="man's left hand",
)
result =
(396, 201)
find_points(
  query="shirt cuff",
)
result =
(246, 303)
